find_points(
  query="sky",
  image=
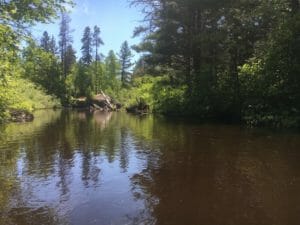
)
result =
(115, 18)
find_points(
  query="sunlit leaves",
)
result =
(20, 13)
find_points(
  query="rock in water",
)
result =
(20, 116)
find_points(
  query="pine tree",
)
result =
(112, 68)
(97, 41)
(65, 41)
(70, 58)
(86, 48)
(45, 42)
(111, 65)
(52, 46)
(125, 60)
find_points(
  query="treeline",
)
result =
(231, 60)
(46, 73)
(56, 69)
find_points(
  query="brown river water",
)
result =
(78, 168)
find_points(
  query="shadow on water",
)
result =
(72, 167)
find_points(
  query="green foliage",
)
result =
(17, 13)
(141, 89)
(83, 80)
(9, 66)
(3, 106)
(67, 53)
(170, 100)
(16, 92)
(26, 95)
(125, 61)
(270, 81)
(22, 94)
(157, 93)
(43, 68)
(111, 74)
(97, 41)
(231, 60)
(86, 48)
(8, 48)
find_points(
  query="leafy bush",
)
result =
(22, 94)
(157, 93)
(141, 89)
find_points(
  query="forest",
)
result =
(230, 60)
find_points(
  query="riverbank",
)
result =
(172, 99)
(146, 95)
(19, 98)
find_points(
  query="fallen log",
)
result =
(104, 102)
(101, 102)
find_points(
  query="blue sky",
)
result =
(114, 17)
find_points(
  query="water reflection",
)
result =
(224, 175)
(113, 168)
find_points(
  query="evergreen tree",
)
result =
(213, 46)
(83, 81)
(52, 46)
(97, 41)
(42, 67)
(65, 41)
(86, 48)
(112, 66)
(125, 60)
(70, 58)
(45, 42)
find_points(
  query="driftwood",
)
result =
(104, 102)
(99, 102)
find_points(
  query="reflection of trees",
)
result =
(33, 216)
(185, 173)
(209, 177)
(16, 139)
(102, 119)
(124, 159)
(64, 165)
(90, 170)
(48, 147)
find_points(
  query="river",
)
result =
(78, 168)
